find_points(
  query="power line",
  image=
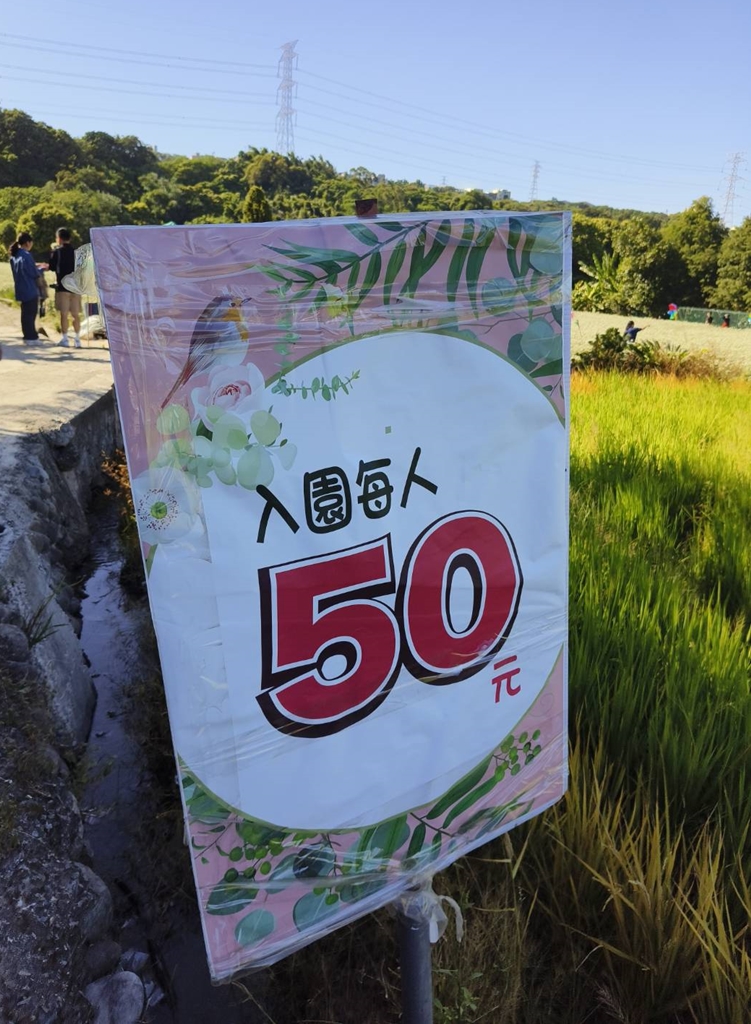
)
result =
(286, 93)
(31, 42)
(224, 67)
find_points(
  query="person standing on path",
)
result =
(25, 274)
(63, 262)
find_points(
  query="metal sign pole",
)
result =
(415, 960)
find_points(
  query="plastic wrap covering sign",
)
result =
(348, 449)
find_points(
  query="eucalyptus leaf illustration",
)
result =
(552, 369)
(354, 891)
(229, 898)
(314, 862)
(256, 926)
(515, 353)
(540, 341)
(313, 908)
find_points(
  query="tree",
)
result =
(43, 220)
(697, 234)
(8, 233)
(592, 238)
(79, 210)
(733, 290)
(124, 158)
(195, 170)
(256, 208)
(161, 201)
(276, 173)
(31, 152)
(472, 199)
(651, 273)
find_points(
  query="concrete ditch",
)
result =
(56, 913)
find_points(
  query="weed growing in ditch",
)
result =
(131, 574)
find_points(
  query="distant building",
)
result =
(498, 194)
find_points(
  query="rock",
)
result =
(102, 958)
(97, 918)
(117, 999)
(14, 644)
(134, 960)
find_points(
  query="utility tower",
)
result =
(731, 191)
(535, 180)
(286, 92)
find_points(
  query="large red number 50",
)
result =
(438, 649)
(330, 651)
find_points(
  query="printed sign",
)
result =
(348, 450)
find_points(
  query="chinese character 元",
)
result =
(505, 677)
(376, 488)
(328, 502)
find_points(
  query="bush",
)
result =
(613, 351)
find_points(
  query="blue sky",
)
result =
(639, 104)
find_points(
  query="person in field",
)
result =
(63, 262)
(631, 331)
(725, 320)
(25, 273)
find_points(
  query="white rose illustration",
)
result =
(231, 389)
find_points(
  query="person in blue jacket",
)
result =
(25, 274)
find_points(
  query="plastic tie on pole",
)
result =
(422, 903)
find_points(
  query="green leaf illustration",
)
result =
(228, 898)
(362, 234)
(371, 276)
(309, 253)
(415, 265)
(514, 237)
(314, 862)
(417, 840)
(266, 428)
(256, 926)
(354, 273)
(203, 807)
(352, 892)
(311, 909)
(557, 313)
(458, 259)
(475, 260)
(390, 836)
(469, 800)
(540, 341)
(516, 355)
(396, 259)
(390, 225)
(458, 790)
(552, 369)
